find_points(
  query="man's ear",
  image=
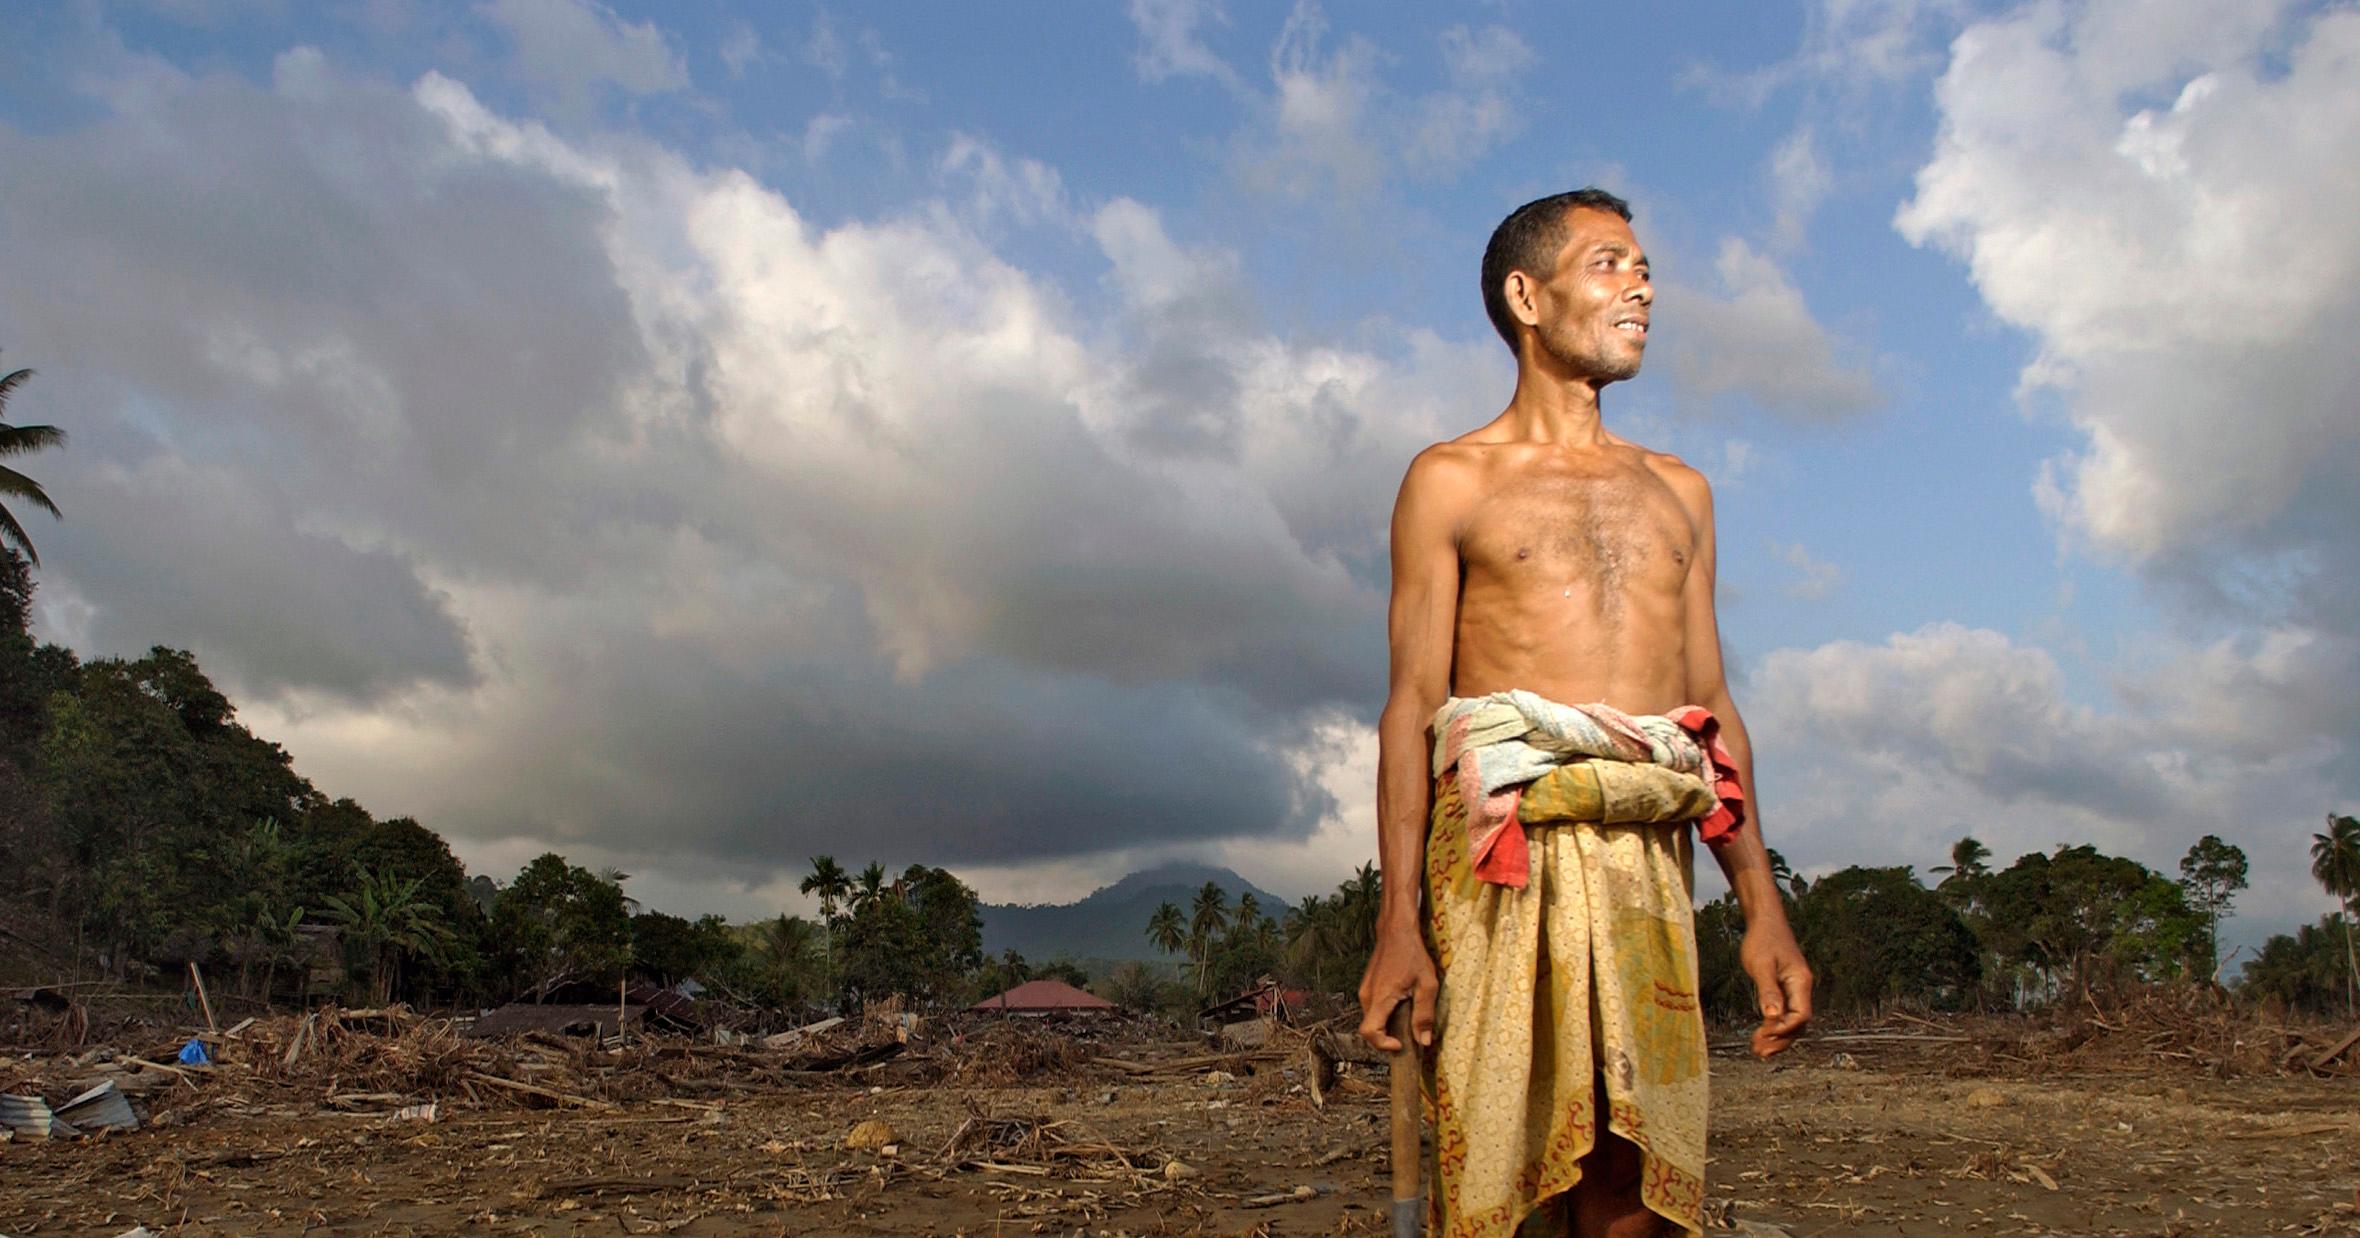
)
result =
(1520, 295)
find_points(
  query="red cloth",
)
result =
(1722, 824)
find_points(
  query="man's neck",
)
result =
(1554, 408)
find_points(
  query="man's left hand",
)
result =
(1782, 980)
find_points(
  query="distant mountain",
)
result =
(1111, 924)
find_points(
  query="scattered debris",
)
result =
(794, 1036)
(889, 1122)
(1250, 1034)
(600, 1021)
(871, 1135)
(2336, 1050)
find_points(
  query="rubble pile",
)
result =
(2186, 1030)
(393, 1061)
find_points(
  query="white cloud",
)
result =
(1799, 182)
(569, 49)
(1169, 43)
(1024, 191)
(1330, 124)
(1757, 339)
(824, 50)
(1814, 580)
(820, 134)
(1852, 47)
(1312, 135)
(741, 48)
(2160, 195)
(1885, 754)
(1479, 111)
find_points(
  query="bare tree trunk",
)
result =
(2351, 962)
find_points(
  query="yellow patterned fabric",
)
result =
(1580, 984)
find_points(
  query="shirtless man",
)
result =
(1543, 552)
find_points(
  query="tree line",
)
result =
(2067, 923)
(2056, 924)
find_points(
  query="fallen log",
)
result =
(531, 1089)
(613, 1186)
(2337, 1050)
(2290, 1132)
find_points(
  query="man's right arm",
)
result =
(1421, 625)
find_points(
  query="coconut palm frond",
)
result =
(17, 440)
(13, 534)
(16, 485)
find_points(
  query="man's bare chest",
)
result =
(1604, 533)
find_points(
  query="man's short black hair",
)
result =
(1528, 241)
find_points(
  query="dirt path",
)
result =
(1814, 1148)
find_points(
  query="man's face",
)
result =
(1594, 307)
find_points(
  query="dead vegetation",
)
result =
(2180, 1033)
(384, 1120)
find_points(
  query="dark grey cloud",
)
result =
(176, 553)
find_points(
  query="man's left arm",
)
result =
(1770, 955)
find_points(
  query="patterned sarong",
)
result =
(1582, 980)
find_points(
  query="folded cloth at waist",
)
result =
(1614, 793)
(1499, 744)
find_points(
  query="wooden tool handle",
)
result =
(1408, 1123)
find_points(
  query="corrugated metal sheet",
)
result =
(100, 1106)
(30, 1115)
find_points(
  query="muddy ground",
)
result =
(1860, 1142)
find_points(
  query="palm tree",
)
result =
(1003, 973)
(616, 877)
(1248, 919)
(1207, 917)
(1966, 859)
(2335, 861)
(1964, 884)
(1209, 914)
(785, 948)
(17, 441)
(279, 944)
(1312, 936)
(870, 888)
(1166, 931)
(830, 882)
(389, 919)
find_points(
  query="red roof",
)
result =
(1044, 995)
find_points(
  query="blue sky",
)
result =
(698, 438)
